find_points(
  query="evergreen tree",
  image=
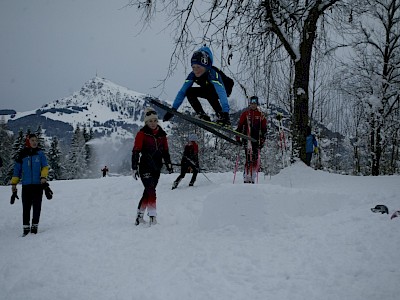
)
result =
(6, 140)
(41, 141)
(77, 157)
(54, 160)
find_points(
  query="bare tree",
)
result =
(373, 77)
(256, 33)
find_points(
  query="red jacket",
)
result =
(253, 123)
(150, 148)
(191, 154)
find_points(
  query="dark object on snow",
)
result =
(13, 196)
(380, 208)
(47, 191)
(395, 214)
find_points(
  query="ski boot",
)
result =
(175, 185)
(139, 219)
(34, 228)
(27, 230)
(223, 119)
(203, 116)
(153, 220)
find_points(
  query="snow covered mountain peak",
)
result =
(100, 104)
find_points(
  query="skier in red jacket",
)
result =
(253, 123)
(150, 148)
(190, 160)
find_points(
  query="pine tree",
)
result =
(54, 160)
(6, 140)
(77, 157)
(41, 142)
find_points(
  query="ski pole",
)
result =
(205, 176)
(258, 163)
(236, 165)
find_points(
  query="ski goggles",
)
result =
(254, 100)
(151, 112)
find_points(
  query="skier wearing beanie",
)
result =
(150, 148)
(253, 123)
(190, 161)
(211, 87)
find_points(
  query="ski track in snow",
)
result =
(302, 234)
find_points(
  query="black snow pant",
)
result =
(308, 158)
(209, 93)
(184, 170)
(31, 197)
(149, 197)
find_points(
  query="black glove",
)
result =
(168, 116)
(47, 191)
(170, 169)
(13, 196)
(136, 174)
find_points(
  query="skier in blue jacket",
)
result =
(211, 87)
(31, 169)
(311, 145)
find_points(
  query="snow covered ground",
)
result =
(302, 234)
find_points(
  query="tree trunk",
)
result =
(376, 151)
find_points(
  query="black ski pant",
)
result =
(308, 158)
(251, 154)
(31, 198)
(194, 93)
(184, 170)
(149, 197)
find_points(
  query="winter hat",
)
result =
(149, 114)
(192, 137)
(253, 99)
(202, 57)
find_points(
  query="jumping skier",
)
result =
(211, 87)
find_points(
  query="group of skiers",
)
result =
(150, 147)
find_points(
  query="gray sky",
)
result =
(50, 48)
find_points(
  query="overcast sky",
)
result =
(50, 48)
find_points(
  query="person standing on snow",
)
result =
(31, 165)
(311, 145)
(150, 148)
(253, 123)
(190, 161)
(105, 171)
(211, 87)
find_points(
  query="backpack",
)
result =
(228, 82)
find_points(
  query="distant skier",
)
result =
(105, 171)
(190, 161)
(253, 123)
(150, 148)
(31, 165)
(311, 145)
(211, 87)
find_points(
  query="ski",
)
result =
(228, 130)
(209, 126)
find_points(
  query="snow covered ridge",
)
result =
(302, 234)
(100, 104)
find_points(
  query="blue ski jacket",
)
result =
(31, 166)
(311, 142)
(211, 77)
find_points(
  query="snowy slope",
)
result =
(100, 104)
(302, 234)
